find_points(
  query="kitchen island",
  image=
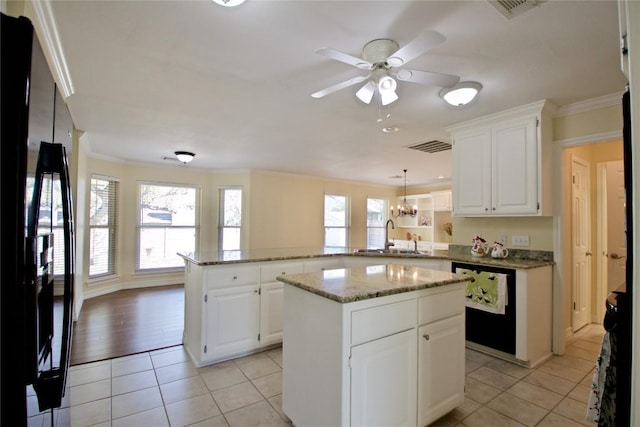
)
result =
(234, 303)
(373, 345)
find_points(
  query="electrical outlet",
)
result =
(520, 240)
(503, 240)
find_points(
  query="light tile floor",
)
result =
(163, 388)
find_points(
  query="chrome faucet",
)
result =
(387, 243)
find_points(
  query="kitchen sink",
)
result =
(392, 251)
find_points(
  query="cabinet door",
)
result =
(233, 316)
(441, 368)
(271, 305)
(515, 175)
(441, 200)
(471, 177)
(383, 381)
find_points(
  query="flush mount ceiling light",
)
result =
(461, 94)
(229, 3)
(184, 156)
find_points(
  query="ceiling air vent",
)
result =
(512, 8)
(431, 146)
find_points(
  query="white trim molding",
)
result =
(590, 104)
(44, 22)
(589, 139)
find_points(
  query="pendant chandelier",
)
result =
(405, 209)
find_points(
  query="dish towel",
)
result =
(485, 291)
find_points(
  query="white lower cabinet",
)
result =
(376, 368)
(232, 320)
(440, 379)
(271, 301)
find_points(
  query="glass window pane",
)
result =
(335, 211)
(376, 212)
(167, 205)
(230, 239)
(375, 238)
(99, 262)
(335, 237)
(232, 210)
(158, 246)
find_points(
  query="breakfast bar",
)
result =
(373, 345)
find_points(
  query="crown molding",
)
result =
(44, 22)
(590, 104)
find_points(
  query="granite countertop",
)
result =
(346, 285)
(520, 259)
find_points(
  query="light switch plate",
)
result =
(520, 240)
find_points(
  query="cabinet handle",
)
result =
(493, 209)
(486, 209)
(426, 337)
(235, 277)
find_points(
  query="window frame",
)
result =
(113, 226)
(347, 219)
(221, 209)
(140, 226)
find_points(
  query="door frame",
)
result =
(562, 334)
(601, 239)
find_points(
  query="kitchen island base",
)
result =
(392, 360)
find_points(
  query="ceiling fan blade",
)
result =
(345, 57)
(427, 78)
(338, 86)
(416, 47)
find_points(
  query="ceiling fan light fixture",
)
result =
(365, 93)
(461, 94)
(184, 156)
(387, 84)
(229, 3)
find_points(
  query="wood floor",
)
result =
(128, 322)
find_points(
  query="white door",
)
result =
(232, 320)
(441, 368)
(581, 250)
(616, 237)
(271, 312)
(383, 381)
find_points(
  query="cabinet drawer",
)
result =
(440, 306)
(373, 323)
(268, 273)
(222, 277)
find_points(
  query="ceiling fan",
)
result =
(383, 59)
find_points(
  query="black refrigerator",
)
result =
(38, 251)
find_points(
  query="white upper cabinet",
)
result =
(441, 200)
(502, 163)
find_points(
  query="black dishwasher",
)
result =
(496, 331)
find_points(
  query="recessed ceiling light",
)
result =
(390, 129)
(440, 177)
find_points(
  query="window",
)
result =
(335, 220)
(167, 223)
(376, 219)
(49, 215)
(102, 226)
(230, 224)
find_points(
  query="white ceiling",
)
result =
(233, 85)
